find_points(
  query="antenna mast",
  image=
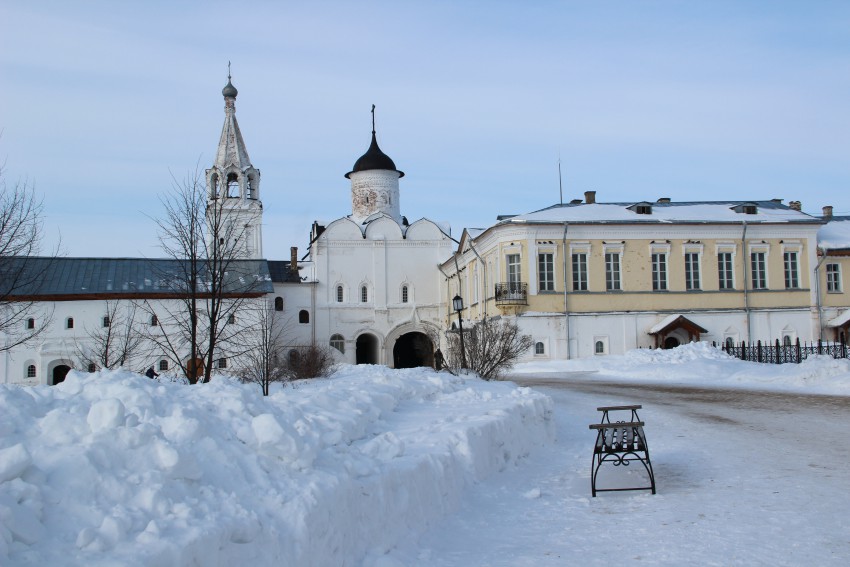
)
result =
(560, 183)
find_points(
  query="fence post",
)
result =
(799, 351)
(758, 351)
(778, 356)
(743, 350)
(820, 346)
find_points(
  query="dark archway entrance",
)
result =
(671, 342)
(60, 372)
(367, 349)
(412, 350)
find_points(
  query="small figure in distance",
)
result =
(151, 373)
(439, 361)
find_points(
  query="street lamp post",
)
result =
(457, 303)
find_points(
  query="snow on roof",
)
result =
(663, 323)
(840, 320)
(834, 235)
(707, 211)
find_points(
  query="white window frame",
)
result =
(546, 270)
(659, 262)
(725, 270)
(791, 267)
(542, 351)
(833, 278)
(337, 343)
(693, 259)
(578, 267)
(513, 267)
(613, 257)
(758, 276)
(596, 341)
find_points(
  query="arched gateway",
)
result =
(366, 349)
(60, 372)
(412, 350)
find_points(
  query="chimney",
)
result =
(827, 212)
(777, 201)
(293, 261)
(795, 205)
(590, 197)
(663, 200)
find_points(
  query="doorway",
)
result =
(412, 350)
(60, 372)
(367, 349)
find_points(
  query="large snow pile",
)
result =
(116, 469)
(700, 364)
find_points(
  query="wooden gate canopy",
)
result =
(672, 324)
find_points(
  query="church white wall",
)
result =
(383, 262)
(58, 344)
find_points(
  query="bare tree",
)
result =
(116, 341)
(492, 346)
(262, 362)
(210, 277)
(21, 272)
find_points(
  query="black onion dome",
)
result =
(229, 90)
(374, 158)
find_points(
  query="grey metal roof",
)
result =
(124, 277)
(280, 272)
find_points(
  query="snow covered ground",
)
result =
(700, 364)
(116, 469)
(386, 468)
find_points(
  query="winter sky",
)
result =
(101, 103)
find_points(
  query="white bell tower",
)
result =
(233, 188)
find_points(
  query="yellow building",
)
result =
(833, 262)
(589, 278)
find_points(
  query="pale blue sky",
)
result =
(101, 101)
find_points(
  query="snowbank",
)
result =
(116, 469)
(700, 364)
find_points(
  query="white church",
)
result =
(368, 286)
(582, 278)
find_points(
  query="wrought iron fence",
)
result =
(778, 353)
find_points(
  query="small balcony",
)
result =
(511, 293)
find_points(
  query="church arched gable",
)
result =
(383, 228)
(424, 229)
(342, 229)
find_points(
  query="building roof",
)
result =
(374, 158)
(839, 320)
(231, 147)
(280, 272)
(835, 234)
(229, 90)
(666, 212)
(673, 322)
(83, 278)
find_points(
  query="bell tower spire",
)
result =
(233, 184)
